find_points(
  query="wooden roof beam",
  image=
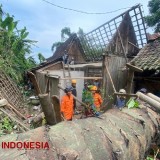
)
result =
(134, 68)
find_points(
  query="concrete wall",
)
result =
(55, 81)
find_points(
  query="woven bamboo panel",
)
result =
(10, 91)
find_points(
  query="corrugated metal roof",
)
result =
(149, 56)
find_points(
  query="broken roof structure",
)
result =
(128, 29)
(123, 35)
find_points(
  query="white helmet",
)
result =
(122, 91)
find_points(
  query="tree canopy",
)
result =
(153, 19)
(14, 46)
(65, 34)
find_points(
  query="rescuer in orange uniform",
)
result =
(67, 105)
(97, 98)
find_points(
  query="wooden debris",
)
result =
(16, 111)
(17, 121)
(134, 68)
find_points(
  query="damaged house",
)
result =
(119, 39)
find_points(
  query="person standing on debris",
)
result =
(65, 57)
(67, 104)
(121, 100)
(74, 92)
(97, 98)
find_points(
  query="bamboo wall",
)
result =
(10, 91)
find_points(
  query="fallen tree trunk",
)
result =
(116, 135)
(47, 108)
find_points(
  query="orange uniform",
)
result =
(97, 100)
(67, 106)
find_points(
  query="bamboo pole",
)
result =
(73, 96)
(134, 68)
(149, 100)
(81, 78)
(16, 111)
(127, 95)
(153, 97)
(133, 44)
(122, 45)
(4, 102)
(10, 116)
(130, 80)
(110, 78)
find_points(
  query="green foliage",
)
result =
(153, 19)
(14, 46)
(6, 124)
(132, 103)
(44, 121)
(149, 158)
(41, 57)
(65, 32)
(56, 45)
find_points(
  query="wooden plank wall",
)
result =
(115, 66)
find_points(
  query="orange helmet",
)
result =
(94, 88)
(73, 81)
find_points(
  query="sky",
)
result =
(44, 21)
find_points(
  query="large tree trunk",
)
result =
(116, 135)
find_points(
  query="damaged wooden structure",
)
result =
(120, 39)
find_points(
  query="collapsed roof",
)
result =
(128, 26)
(124, 35)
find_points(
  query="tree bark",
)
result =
(115, 135)
(47, 109)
